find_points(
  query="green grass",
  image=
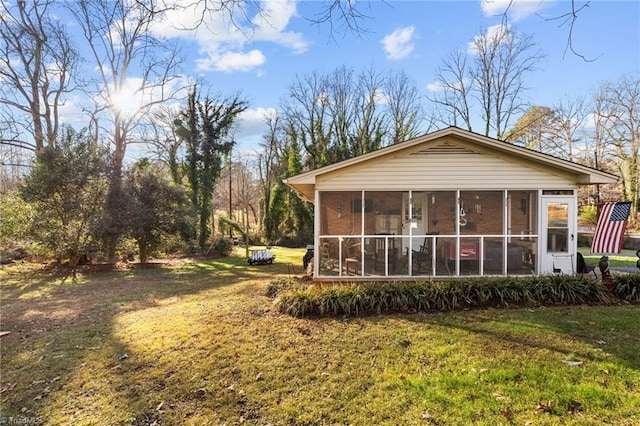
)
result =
(200, 343)
(625, 259)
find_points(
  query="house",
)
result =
(448, 203)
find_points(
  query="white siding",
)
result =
(443, 167)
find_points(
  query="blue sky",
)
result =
(413, 36)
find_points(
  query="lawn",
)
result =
(198, 342)
(626, 259)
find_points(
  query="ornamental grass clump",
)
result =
(297, 302)
(446, 295)
(627, 287)
(278, 286)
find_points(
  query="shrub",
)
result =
(278, 286)
(588, 214)
(584, 240)
(403, 296)
(223, 246)
(627, 287)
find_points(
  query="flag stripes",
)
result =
(610, 228)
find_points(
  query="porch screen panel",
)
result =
(341, 212)
(382, 214)
(381, 255)
(352, 259)
(329, 252)
(422, 258)
(523, 208)
(445, 256)
(493, 256)
(470, 254)
(439, 212)
(481, 212)
(397, 259)
(522, 242)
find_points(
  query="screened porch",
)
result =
(426, 233)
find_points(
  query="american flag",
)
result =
(610, 228)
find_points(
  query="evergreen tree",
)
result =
(67, 189)
(204, 127)
(155, 207)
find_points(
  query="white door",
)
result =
(558, 235)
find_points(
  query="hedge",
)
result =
(409, 296)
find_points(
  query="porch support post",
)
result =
(316, 234)
(506, 221)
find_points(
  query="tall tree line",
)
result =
(603, 132)
(324, 117)
(344, 113)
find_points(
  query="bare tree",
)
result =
(452, 95)
(493, 81)
(134, 65)
(618, 115)
(37, 68)
(599, 134)
(404, 106)
(165, 145)
(567, 132)
(370, 121)
(340, 99)
(502, 58)
(558, 131)
(13, 166)
(342, 114)
(136, 71)
(568, 19)
(271, 169)
(533, 129)
(342, 17)
(246, 194)
(306, 111)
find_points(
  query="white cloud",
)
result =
(252, 121)
(272, 22)
(590, 121)
(515, 9)
(399, 43)
(438, 86)
(435, 87)
(494, 32)
(380, 98)
(251, 127)
(231, 61)
(224, 41)
(71, 112)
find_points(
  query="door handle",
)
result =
(571, 237)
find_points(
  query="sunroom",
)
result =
(449, 203)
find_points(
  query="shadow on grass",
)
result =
(62, 321)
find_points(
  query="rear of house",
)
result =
(449, 203)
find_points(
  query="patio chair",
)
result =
(352, 257)
(384, 245)
(423, 258)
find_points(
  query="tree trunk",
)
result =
(144, 252)
(73, 257)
